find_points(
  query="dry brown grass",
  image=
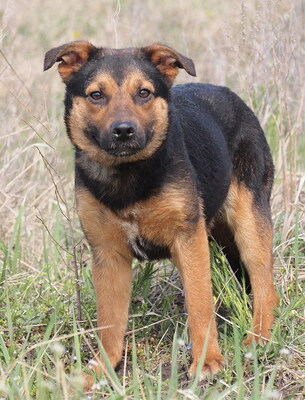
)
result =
(255, 47)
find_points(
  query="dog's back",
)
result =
(224, 141)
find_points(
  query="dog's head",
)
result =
(117, 100)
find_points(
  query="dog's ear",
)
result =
(168, 60)
(72, 56)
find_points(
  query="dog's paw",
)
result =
(87, 381)
(212, 365)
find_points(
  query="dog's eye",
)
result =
(96, 95)
(144, 93)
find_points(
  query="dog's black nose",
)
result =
(123, 131)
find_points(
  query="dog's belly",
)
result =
(143, 249)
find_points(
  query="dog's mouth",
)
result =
(113, 146)
(122, 153)
(126, 149)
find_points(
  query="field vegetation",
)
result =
(47, 305)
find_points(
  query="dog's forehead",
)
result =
(119, 64)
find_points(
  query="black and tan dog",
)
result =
(158, 169)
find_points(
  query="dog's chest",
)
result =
(141, 248)
(131, 231)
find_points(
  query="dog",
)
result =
(158, 170)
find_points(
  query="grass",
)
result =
(42, 343)
(254, 47)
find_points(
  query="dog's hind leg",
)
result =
(251, 226)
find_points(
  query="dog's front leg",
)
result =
(191, 255)
(111, 273)
(112, 284)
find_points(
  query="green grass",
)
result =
(43, 348)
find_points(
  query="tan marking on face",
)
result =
(120, 107)
(136, 81)
(78, 122)
(103, 82)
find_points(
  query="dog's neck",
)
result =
(125, 184)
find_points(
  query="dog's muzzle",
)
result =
(123, 139)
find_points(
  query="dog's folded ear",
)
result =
(168, 60)
(72, 56)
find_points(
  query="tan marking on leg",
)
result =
(111, 271)
(190, 253)
(253, 236)
(169, 219)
